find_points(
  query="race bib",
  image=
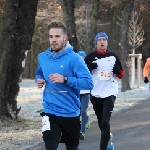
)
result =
(45, 123)
(104, 75)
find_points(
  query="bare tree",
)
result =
(69, 19)
(93, 25)
(136, 31)
(135, 34)
(15, 38)
(126, 15)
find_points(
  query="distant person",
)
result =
(63, 73)
(84, 98)
(146, 70)
(105, 67)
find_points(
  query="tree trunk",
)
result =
(113, 33)
(16, 37)
(93, 26)
(69, 19)
(126, 15)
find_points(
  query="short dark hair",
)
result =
(57, 25)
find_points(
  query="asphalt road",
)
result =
(130, 128)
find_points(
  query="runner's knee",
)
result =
(105, 123)
(51, 144)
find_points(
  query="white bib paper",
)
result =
(45, 123)
(104, 75)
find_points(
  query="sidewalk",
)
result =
(130, 128)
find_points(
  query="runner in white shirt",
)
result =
(105, 67)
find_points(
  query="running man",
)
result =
(105, 68)
(63, 73)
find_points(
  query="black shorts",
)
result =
(63, 129)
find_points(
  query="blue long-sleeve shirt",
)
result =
(62, 99)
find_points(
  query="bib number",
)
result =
(104, 75)
(45, 123)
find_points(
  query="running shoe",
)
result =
(110, 143)
(82, 136)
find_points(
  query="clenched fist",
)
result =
(40, 83)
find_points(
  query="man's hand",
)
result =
(146, 80)
(40, 83)
(56, 78)
(92, 66)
